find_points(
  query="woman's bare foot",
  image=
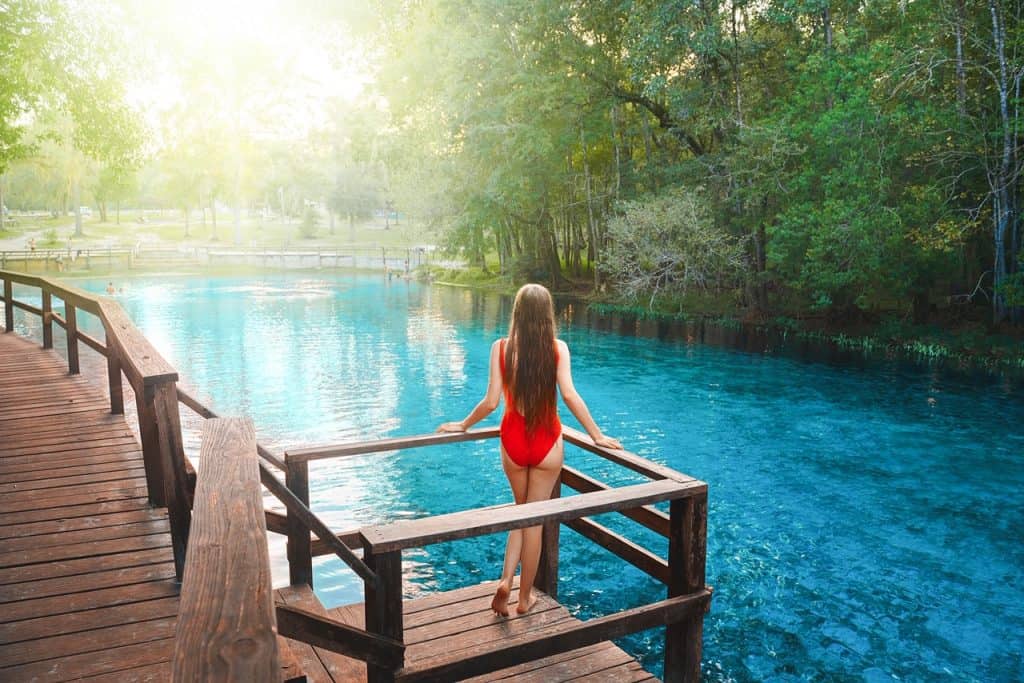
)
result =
(499, 605)
(525, 606)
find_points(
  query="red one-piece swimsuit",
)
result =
(525, 448)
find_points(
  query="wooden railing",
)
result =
(226, 628)
(169, 476)
(374, 552)
(682, 572)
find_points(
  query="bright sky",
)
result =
(278, 63)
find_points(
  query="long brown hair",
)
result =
(530, 361)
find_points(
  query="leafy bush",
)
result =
(669, 244)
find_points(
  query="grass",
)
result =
(169, 229)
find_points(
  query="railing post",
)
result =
(383, 606)
(164, 399)
(300, 552)
(150, 438)
(71, 328)
(113, 378)
(47, 320)
(687, 554)
(547, 569)
(8, 306)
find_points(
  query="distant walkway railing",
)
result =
(56, 260)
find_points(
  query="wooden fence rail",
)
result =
(226, 629)
(153, 381)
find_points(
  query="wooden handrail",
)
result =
(624, 458)
(650, 517)
(429, 530)
(226, 623)
(207, 413)
(383, 445)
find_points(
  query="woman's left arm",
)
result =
(490, 400)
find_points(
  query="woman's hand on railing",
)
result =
(452, 427)
(608, 442)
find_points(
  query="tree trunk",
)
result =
(591, 230)
(3, 213)
(1002, 180)
(187, 226)
(213, 219)
(961, 74)
(76, 193)
(103, 210)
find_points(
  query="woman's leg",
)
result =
(518, 478)
(542, 479)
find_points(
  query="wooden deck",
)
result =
(445, 624)
(87, 574)
(87, 583)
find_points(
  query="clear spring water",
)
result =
(865, 518)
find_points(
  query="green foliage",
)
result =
(669, 244)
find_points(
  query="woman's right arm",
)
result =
(575, 402)
(490, 400)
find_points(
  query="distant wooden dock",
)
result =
(98, 529)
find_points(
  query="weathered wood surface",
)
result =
(459, 623)
(86, 572)
(428, 530)
(226, 628)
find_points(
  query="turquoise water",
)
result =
(865, 517)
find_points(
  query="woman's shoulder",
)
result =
(561, 346)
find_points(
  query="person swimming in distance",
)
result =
(529, 367)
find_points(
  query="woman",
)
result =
(526, 367)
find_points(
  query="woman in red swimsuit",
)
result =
(527, 367)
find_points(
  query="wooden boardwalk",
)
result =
(87, 577)
(444, 624)
(87, 583)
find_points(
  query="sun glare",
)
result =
(246, 55)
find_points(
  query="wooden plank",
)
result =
(35, 467)
(336, 636)
(87, 535)
(71, 551)
(77, 602)
(41, 588)
(59, 485)
(384, 445)
(636, 555)
(687, 550)
(18, 500)
(101, 617)
(625, 458)
(652, 518)
(140, 361)
(82, 565)
(383, 608)
(103, 661)
(159, 672)
(226, 628)
(559, 637)
(421, 532)
(86, 641)
(59, 526)
(318, 663)
(119, 501)
(528, 670)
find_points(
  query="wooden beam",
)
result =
(314, 524)
(552, 640)
(687, 551)
(652, 518)
(625, 458)
(382, 445)
(331, 634)
(226, 622)
(636, 555)
(421, 532)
